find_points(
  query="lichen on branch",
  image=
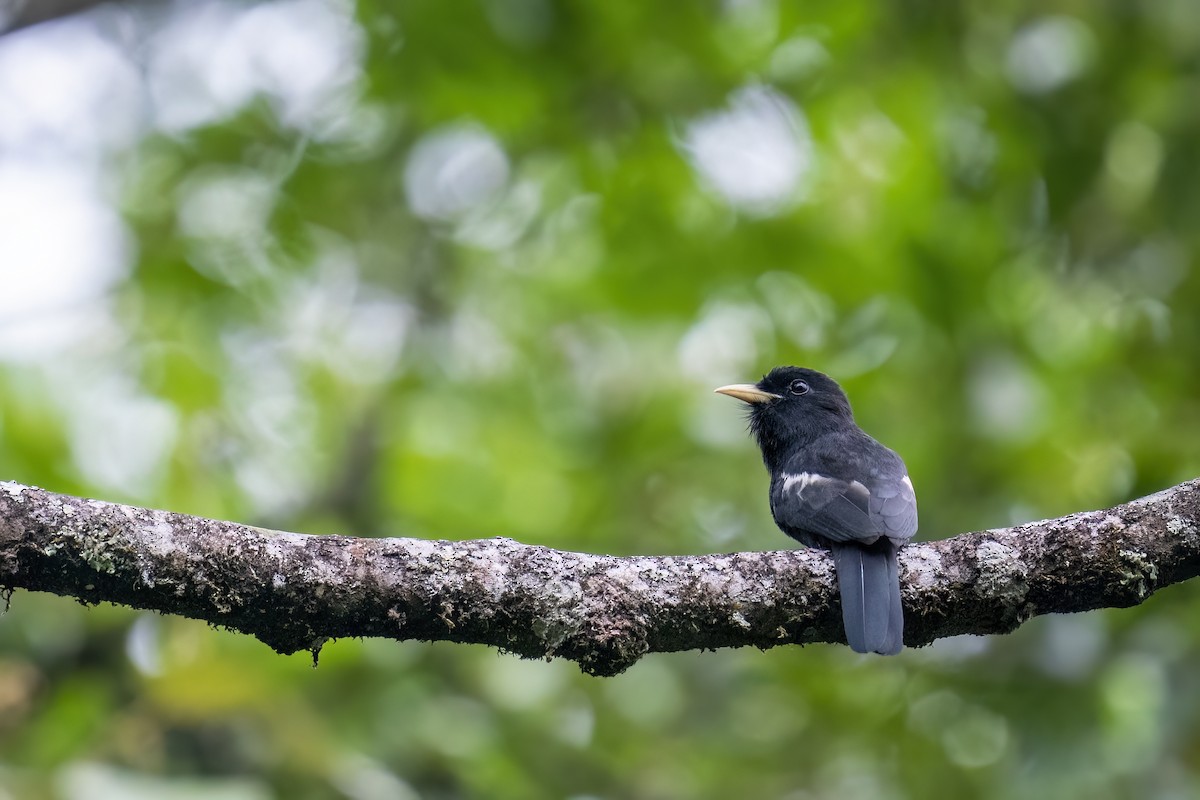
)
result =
(296, 591)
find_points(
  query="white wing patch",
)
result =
(809, 504)
(802, 481)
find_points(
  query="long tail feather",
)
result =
(868, 579)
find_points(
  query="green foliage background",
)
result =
(991, 243)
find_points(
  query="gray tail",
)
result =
(869, 580)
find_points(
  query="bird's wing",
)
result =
(893, 506)
(845, 510)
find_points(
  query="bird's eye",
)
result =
(798, 387)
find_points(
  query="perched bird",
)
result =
(834, 487)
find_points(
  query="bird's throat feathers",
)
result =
(781, 433)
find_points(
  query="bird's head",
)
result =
(790, 407)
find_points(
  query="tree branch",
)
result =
(295, 592)
(18, 14)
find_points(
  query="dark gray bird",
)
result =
(834, 487)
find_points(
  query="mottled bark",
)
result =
(295, 592)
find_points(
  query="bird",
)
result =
(836, 488)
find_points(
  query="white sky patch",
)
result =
(225, 213)
(460, 174)
(64, 88)
(715, 423)
(757, 154)
(501, 224)
(1008, 400)
(62, 247)
(725, 343)
(143, 645)
(1071, 644)
(68, 96)
(723, 346)
(1049, 53)
(226, 203)
(88, 780)
(209, 60)
(270, 425)
(356, 330)
(477, 348)
(454, 171)
(358, 777)
(720, 523)
(121, 438)
(367, 347)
